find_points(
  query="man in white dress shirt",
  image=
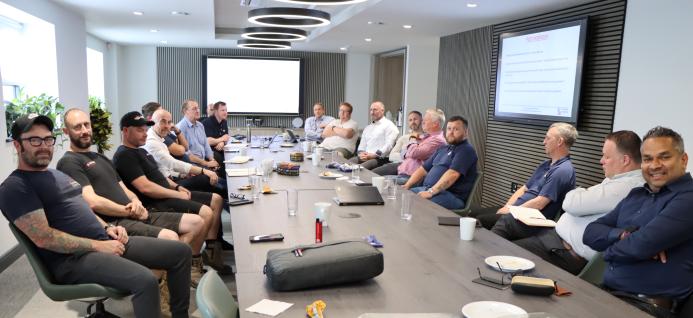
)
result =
(563, 245)
(377, 139)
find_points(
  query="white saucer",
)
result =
(287, 145)
(238, 159)
(509, 264)
(490, 309)
(331, 175)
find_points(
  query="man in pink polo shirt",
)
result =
(419, 148)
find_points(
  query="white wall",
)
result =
(136, 77)
(655, 83)
(358, 85)
(421, 83)
(70, 37)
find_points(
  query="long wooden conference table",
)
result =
(428, 269)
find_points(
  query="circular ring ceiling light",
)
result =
(264, 45)
(274, 34)
(323, 2)
(289, 17)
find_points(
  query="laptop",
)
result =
(352, 195)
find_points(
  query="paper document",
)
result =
(269, 307)
(530, 216)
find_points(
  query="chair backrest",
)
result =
(593, 272)
(213, 299)
(43, 275)
(475, 186)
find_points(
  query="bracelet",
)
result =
(177, 187)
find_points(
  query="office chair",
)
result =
(213, 299)
(593, 271)
(468, 205)
(93, 294)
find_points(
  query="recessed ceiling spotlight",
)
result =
(370, 22)
(323, 2)
(368, 39)
(407, 26)
(342, 48)
(163, 42)
(137, 12)
(180, 13)
(471, 5)
(154, 30)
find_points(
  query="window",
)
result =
(95, 75)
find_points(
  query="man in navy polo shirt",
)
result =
(448, 175)
(544, 190)
(217, 131)
(647, 239)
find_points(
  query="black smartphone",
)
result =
(266, 238)
(363, 184)
(449, 220)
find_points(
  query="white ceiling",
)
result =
(215, 23)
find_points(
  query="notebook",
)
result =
(352, 195)
(531, 217)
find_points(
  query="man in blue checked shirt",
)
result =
(647, 240)
(316, 124)
(194, 132)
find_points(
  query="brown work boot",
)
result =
(196, 271)
(164, 297)
(216, 259)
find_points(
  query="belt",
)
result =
(571, 251)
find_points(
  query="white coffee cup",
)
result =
(378, 183)
(307, 146)
(322, 212)
(316, 159)
(319, 151)
(467, 227)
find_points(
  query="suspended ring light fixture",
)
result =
(274, 34)
(323, 2)
(289, 17)
(264, 45)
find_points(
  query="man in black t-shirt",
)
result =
(75, 245)
(140, 173)
(111, 199)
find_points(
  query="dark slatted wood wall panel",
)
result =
(509, 152)
(180, 73)
(465, 59)
(514, 150)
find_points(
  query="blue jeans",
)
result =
(444, 198)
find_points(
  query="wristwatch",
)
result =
(107, 226)
(430, 190)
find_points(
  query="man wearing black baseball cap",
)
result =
(75, 245)
(140, 173)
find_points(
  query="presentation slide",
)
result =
(255, 86)
(537, 73)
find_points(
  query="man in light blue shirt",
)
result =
(194, 132)
(315, 125)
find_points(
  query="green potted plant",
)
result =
(42, 104)
(100, 124)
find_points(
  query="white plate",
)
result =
(509, 263)
(331, 175)
(287, 145)
(490, 309)
(238, 159)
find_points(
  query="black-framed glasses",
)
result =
(37, 141)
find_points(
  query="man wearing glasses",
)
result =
(75, 245)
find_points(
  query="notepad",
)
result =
(530, 216)
(269, 307)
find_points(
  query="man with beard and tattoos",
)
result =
(75, 245)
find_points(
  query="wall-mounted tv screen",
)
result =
(539, 74)
(255, 86)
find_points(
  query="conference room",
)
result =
(508, 69)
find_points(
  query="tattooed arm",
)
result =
(35, 225)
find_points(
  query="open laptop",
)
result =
(353, 195)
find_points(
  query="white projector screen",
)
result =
(255, 86)
(539, 74)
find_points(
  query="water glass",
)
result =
(292, 201)
(322, 212)
(405, 211)
(390, 187)
(335, 156)
(257, 186)
(355, 171)
(267, 167)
